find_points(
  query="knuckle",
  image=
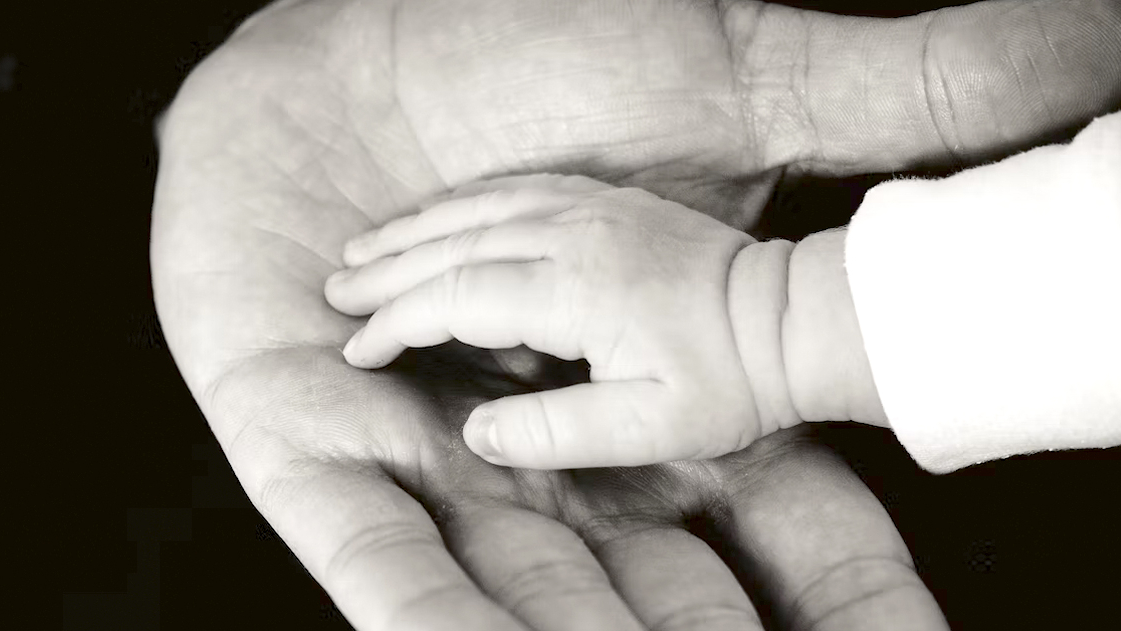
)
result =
(537, 426)
(642, 428)
(565, 320)
(707, 616)
(449, 287)
(549, 579)
(937, 89)
(840, 590)
(375, 541)
(493, 199)
(416, 611)
(491, 206)
(458, 248)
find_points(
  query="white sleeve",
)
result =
(990, 302)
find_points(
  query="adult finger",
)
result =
(371, 546)
(378, 553)
(499, 201)
(673, 580)
(536, 568)
(816, 542)
(841, 95)
(363, 290)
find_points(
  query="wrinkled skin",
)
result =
(321, 119)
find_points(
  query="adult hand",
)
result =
(320, 119)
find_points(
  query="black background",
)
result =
(152, 530)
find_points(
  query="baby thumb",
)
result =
(617, 423)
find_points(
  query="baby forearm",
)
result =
(798, 334)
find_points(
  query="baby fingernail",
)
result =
(357, 251)
(350, 253)
(337, 278)
(486, 437)
(348, 350)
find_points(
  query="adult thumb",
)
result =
(954, 86)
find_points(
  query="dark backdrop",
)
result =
(153, 531)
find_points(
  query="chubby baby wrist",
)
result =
(757, 299)
(827, 368)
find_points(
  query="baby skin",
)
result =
(700, 339)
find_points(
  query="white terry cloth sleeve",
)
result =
(990, 302)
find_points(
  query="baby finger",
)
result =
(454, 216)
(499, 305)
(363, 290)
(614, 423)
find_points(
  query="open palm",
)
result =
(320, 119)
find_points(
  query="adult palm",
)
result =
(319, 119)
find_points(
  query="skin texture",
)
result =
(683, 364)
(321, 119)
(828, 371)
(634, 284)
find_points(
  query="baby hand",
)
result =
(571, 267)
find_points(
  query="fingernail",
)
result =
(338, 277)
(486, 436)
(352, 344)
(350, 253)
